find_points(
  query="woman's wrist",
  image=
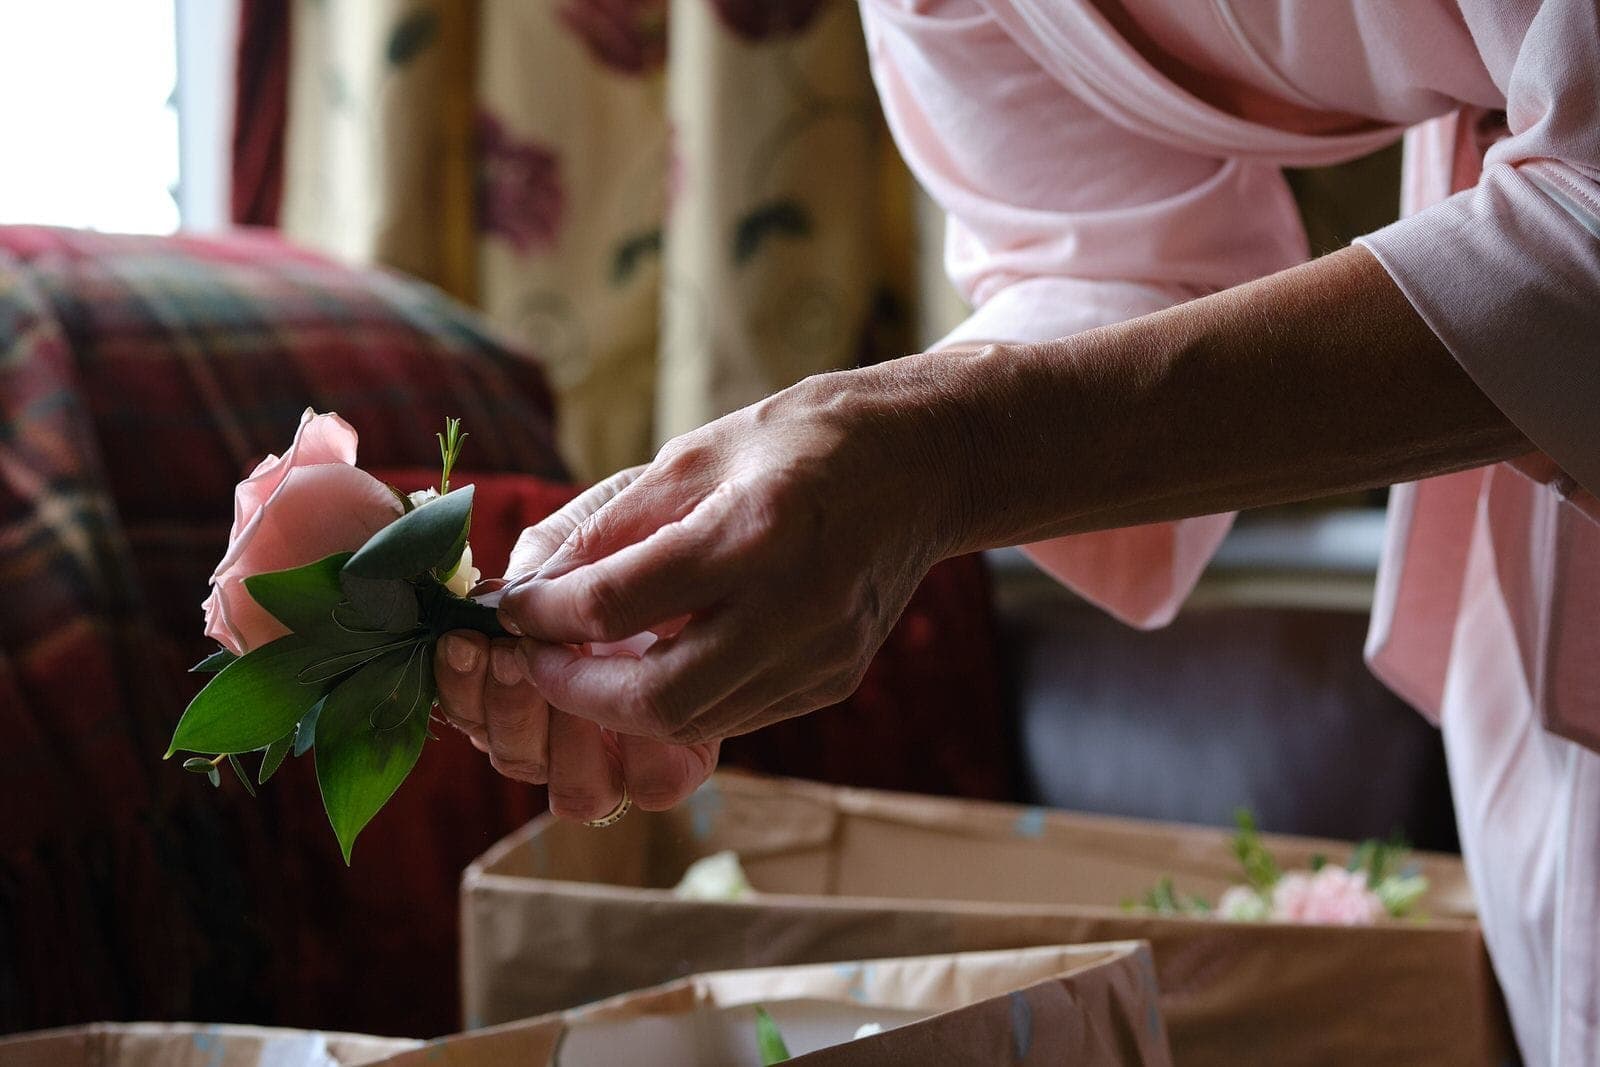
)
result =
(926, 424)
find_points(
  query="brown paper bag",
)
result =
(1086, 1005)
(189, 1045)
(558, 914)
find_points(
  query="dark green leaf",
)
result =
(377, 608)
(417, 541)
(198, 765)
(787, 218)
(404, 498)
(412, 35)
(302, 599)
(273, 758)
(335, 662)
(238, 768)
(769, 1040)
(448, 612)
(215, 777)
(305, 735)
(358, 765)
(414, 696)
(252, 702)
(214, 662)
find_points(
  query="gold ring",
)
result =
(616, 813)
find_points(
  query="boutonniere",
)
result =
(1374, 883)
(334, 589)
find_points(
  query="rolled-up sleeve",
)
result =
(1507, 272)
(1061, 221)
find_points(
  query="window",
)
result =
(114, 114)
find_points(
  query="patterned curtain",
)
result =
(679, 205)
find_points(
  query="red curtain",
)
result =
(260, 111)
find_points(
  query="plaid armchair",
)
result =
(139, 378)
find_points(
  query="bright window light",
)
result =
(88, 134)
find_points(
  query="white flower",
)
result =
(1241, 904)
(466, 575)
(717, 877)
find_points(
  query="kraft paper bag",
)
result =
(189, 1045)
(1086, 1005)
(559, 914)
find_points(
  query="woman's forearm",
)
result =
(1317, 380)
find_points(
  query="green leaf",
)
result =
(769, 1039)
(404, 498)
(215, 777)
(1260, 869)
(414, 695)
(335, 662)
(305, 735)
(198, 765)
(446, 612)
(303, 598)
(238, 768)
(214, 662)
(359, 766)
(417, 541)
(252, 702)
(381, 606)
(273, 758)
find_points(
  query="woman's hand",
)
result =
(484, 691)
(776, 546)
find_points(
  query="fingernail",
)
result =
(505, 665)
(509, 624)
(461, 654)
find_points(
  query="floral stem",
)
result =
(449, 451)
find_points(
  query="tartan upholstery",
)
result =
(139, 379)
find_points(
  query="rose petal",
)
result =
(319, 439)
(316, 511)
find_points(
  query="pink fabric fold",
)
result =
(1084, 186)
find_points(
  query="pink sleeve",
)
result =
(1061, 221)
(1507, 273)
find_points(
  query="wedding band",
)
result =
(616, 813)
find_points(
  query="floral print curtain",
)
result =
(679, 205)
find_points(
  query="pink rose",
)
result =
(1333, 896)
(295, 509)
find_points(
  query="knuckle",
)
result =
(657, 791)
(522, 768)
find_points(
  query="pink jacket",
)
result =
(1084, 186)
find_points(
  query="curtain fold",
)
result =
(260, 111)
(680, 205)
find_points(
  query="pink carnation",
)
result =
(1333, 896)
(294, 509)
